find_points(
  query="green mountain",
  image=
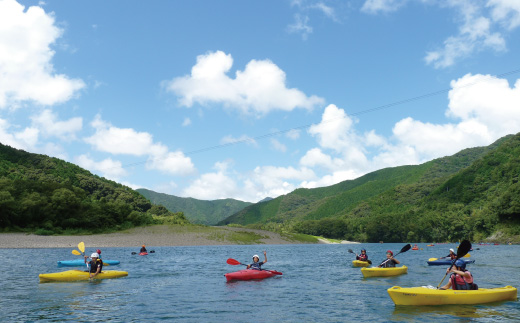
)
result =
(196, 211)
(48, 195)
(468, 195)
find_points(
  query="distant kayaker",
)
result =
(257, 264)
(390, 260)
(452, 255)
(95, 264)
(460, 277)
(99, 253)
(362, 256)
(143, 249)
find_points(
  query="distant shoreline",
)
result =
(152, 236)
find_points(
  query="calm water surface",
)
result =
(187, 284)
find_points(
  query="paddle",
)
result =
(81, 247)
(369, 261)
(234, 262)
(403, 249)
(463, 249)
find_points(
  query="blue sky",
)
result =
(249, 99)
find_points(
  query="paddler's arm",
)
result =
(97, 272)
(265, 256)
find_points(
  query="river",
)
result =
(187, 284)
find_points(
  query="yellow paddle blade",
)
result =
(432, 259)
(81, 246)
(75, 252)
(466, 256)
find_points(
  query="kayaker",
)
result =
(95, 264)
(452, 255)
(143, 249)
(257, 264)
(390, 260)
(460, 277)
(362, 256)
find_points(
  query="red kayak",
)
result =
(143, 253)
(249, 274)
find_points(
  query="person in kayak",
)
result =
(95, 264)
(390, 260)
(143, 249)
(452, 255)
(460, 277)
(362, 256)
(257, 264)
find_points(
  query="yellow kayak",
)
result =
(75, 275)
(426, 296)
(383, 272)
(360, 263)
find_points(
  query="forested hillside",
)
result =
(472, 194)
(48, 195)
(196, 211)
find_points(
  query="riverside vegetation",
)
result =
(473, 194)
(48, 195)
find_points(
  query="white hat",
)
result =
(94, 255)
(256, 257)
(451, 249)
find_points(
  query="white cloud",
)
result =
(376, 6)
(474, 35)
(278, 145)
(27, 74)
(109, 168)
(300, 26)
(215, 185)
(127, 141)
(186, 122)
(259, 89)
(25, 139)
(242, 139)
(506, 12)
(48, 125)
(293, 134)
(482, 108)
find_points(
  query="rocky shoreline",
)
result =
(160, 235)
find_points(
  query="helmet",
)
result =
(142, 246)
(390, 252)
(363, 250)
(94, 255)
(98, 251)
(256, 257)
(460, 263)
(451, 249)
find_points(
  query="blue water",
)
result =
(187, 284)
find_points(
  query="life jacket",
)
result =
(362, 257)
(462, 283)
(256, 265)
(94, 265)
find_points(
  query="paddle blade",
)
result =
(406, 248)
(433, 259)
(233, 262)
(350, 250)
(369, 262)
(463, 249)
(81, 246)
(75, 252)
